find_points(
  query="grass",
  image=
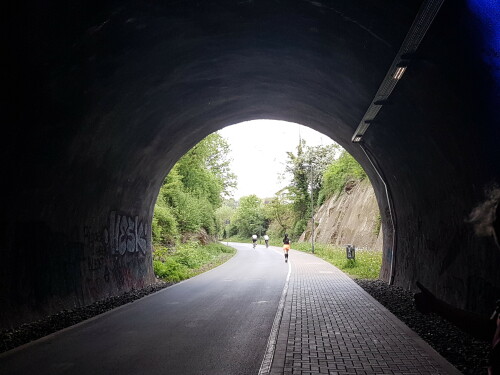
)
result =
(188, 260)
(366, 265)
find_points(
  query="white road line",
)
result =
(265, 366)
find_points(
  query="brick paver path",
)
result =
(330, 325)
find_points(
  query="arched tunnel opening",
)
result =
(267, 178)
(105, 98)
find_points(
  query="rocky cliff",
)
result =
(349, 218)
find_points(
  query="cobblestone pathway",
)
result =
(330, 325)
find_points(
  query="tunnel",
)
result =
(102, 98)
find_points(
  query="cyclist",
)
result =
(286, 246)
(254, 240)
(266, 238)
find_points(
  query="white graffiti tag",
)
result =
(126, 234)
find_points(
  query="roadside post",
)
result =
(350, 252)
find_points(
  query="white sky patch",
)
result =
(258, 150)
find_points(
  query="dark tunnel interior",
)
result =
(104, 97)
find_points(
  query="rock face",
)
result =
(350, 218)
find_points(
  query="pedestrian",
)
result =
(266, 238)
(286, 246)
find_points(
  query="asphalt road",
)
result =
(216, 323)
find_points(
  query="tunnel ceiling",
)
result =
(104, 97)
(163, 66)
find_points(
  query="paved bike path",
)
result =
(213, 324)
(330, 325)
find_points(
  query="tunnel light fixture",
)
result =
(405, 55)
(399, 72)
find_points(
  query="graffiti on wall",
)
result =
(95, 249)
(126, 234)
(117, 256)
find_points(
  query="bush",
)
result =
(164, 225)
(187, 212)
(170, 270)
(338, 173)
(190, 255)
(188, 260)
(207, 214)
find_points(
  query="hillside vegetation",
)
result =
(330, 181)
(315, 173)
(185, 223)
(194, 207)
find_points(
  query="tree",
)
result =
(218, 163)
(299, 187)
(164, 226)
(249, 217)
(306, 168)
(280, 213)
(317, 159)
(193, 190)
(209, 162)
(223, 216)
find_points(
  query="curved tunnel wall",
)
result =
(104, 100)
(438, 144)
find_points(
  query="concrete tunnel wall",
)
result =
(104, 99)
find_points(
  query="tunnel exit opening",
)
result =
(273, 177)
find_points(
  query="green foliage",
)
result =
(280, 213)
(170, 270)
(164, 225)
(205, 169)
(306, 169)
(232, 230)
(188, 260)
(223, 216)
(366, 265)
(299, 227)
(250, 217)
(187, 212)
(192, 192)
(342, 170)
(299, 187)
(190, 255)
(315, 174)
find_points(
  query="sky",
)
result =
(258, 150)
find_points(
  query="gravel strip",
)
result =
(466, 353)
(25, 333)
